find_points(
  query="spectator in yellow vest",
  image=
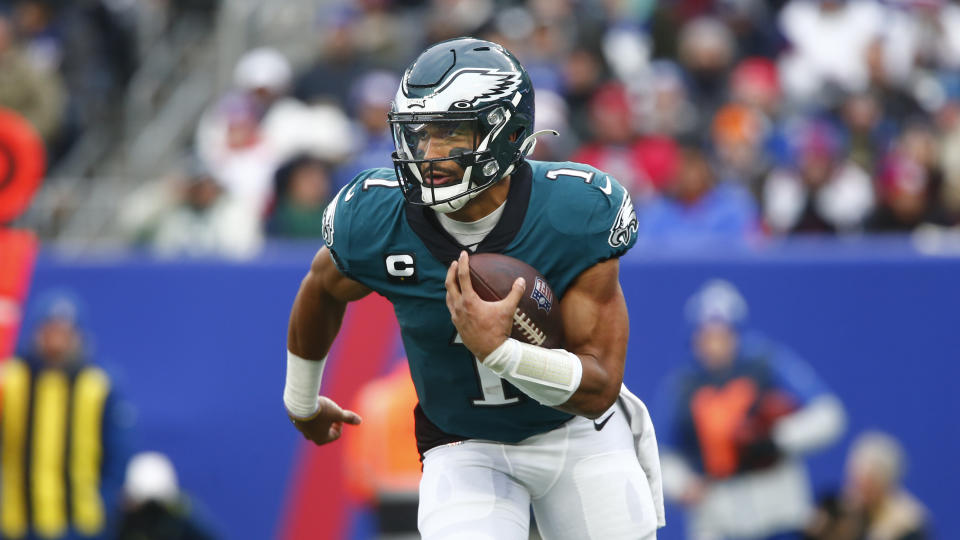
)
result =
(61, 433)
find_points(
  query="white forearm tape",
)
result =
(549, 376)
(302, 389)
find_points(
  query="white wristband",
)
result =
(302, 389)
(549, 376)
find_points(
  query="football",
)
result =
(538, 320)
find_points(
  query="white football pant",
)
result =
(583, 484)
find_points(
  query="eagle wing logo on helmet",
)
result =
(469, 86)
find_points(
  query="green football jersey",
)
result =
(560, 218)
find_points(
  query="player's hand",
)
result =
(483, 325)
(325, 425)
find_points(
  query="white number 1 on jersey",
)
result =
(490, 384)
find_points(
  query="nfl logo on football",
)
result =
(542, 295)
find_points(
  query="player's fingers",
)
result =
(463, 275)
(351, 418)
(516, 293)
(450, 282)
(334, 432)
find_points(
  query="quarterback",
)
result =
(494, 440)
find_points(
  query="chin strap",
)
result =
(528, 144)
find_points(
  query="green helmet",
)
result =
(463, 88)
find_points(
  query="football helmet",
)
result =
(463, 104)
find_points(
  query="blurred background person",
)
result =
(64, 431)
(204, 220)
(304, 187)
(828, 43)
(642, 164)
(820, 190)
(735, 422)
(371, 96)
(231, 136)
(908, 197)
(154, 507)
(696, 206)
(34, 92)
(872, 504)
(664, 106)
(383, 468)
(257, 126)
(707, 51)
(739, 135)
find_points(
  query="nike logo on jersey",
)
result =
(607, 189)
(598, 426)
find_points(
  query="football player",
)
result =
(501, 424)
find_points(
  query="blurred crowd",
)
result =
(64, 64)
(732, 119)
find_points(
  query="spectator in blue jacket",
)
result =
(696, 207)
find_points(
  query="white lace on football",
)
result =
(531, 332)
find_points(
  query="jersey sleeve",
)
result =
(596, 213)
(336, 229)
(349, 218)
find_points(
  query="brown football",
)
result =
(537, 320)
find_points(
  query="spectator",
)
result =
(583, 74)
(736, 421)
(921, 34)
(63, 432)
(35, 93)
(739, 135)
(907, 197)
(371, 98)
(231, 138)
(552, 114)
(42, 42)
(756, 84)
(750, 22)
(829, 41)
(304, 187)
(897, 100)
(155, 508)
(695, 208)
(823, 192)
(664, 106)
(868, 132)
(640, 164)
(948, 153)
(872, 503)
(207, 221)
(254, 128)
(338, 64)
(707, 50)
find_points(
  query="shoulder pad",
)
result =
(588, 201)
(369, 192)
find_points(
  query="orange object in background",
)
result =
(22, 164)
(18, 249)
(381, 453)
